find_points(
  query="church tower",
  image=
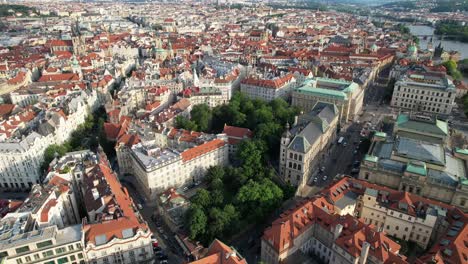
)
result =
(78, 40)
(285, 140)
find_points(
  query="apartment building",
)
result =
(428, 92)
(416, 159)
(313, 228)
(114, 231)
(347, 96)
(211, 96)
(327, 224)
(175, 158)
(21, 244)
(22, 150)
(218, 252)
(401, 214)
(268, 89)
(235, 135)
(301, 145)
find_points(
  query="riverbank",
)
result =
(448, 45)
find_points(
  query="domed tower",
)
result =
(76, 67)
(285, 140)
(412, 52)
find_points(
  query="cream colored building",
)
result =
(45, 246)
(347, 96)
(399, 222)
(268, 89)
(301, 145)
(157, 167)
(425, 92)
(312, 230)
(416, 160)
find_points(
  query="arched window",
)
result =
(294, 166)
(299, 167)
(295, 156)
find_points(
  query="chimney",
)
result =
(364, 252)
(337, 232)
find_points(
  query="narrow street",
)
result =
(165, 236)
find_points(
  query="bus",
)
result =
(340, 140)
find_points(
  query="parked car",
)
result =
(324, 178)
(139, 206)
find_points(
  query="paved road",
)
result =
(341, 158)
(163, 234)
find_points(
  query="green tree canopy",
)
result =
(202, 116)
(197, 221)
(202, 198)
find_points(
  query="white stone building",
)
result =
(269, 90)
(424, 92)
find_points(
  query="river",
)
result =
(446, 44)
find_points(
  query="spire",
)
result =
(286, 133)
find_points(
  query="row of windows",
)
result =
(424, 108)
(50, 253)
(295, 166)
(417, 91)
(432, 99)
(295, 156)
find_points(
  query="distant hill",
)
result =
(441, 5)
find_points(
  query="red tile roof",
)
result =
(45, 211)
(237, 132)
(59, 77)
(220, 253)
(5, 109)
(202, 149)
(319, 210)
(273, 84)
(124, 220)
(60, 43)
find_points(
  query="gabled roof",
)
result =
(438, 127)
(220, 253)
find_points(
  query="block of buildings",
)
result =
(416, 159)
(309, 136)
(218, 252)
(235, 135)
(49, 227)
(21, 243)
(211, 96)
(340, 223)
(347, 96)
(268, 89)
(312, 227)
(172, 208)
(428, 92)
(173, 158)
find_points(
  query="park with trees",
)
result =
(248, 192)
